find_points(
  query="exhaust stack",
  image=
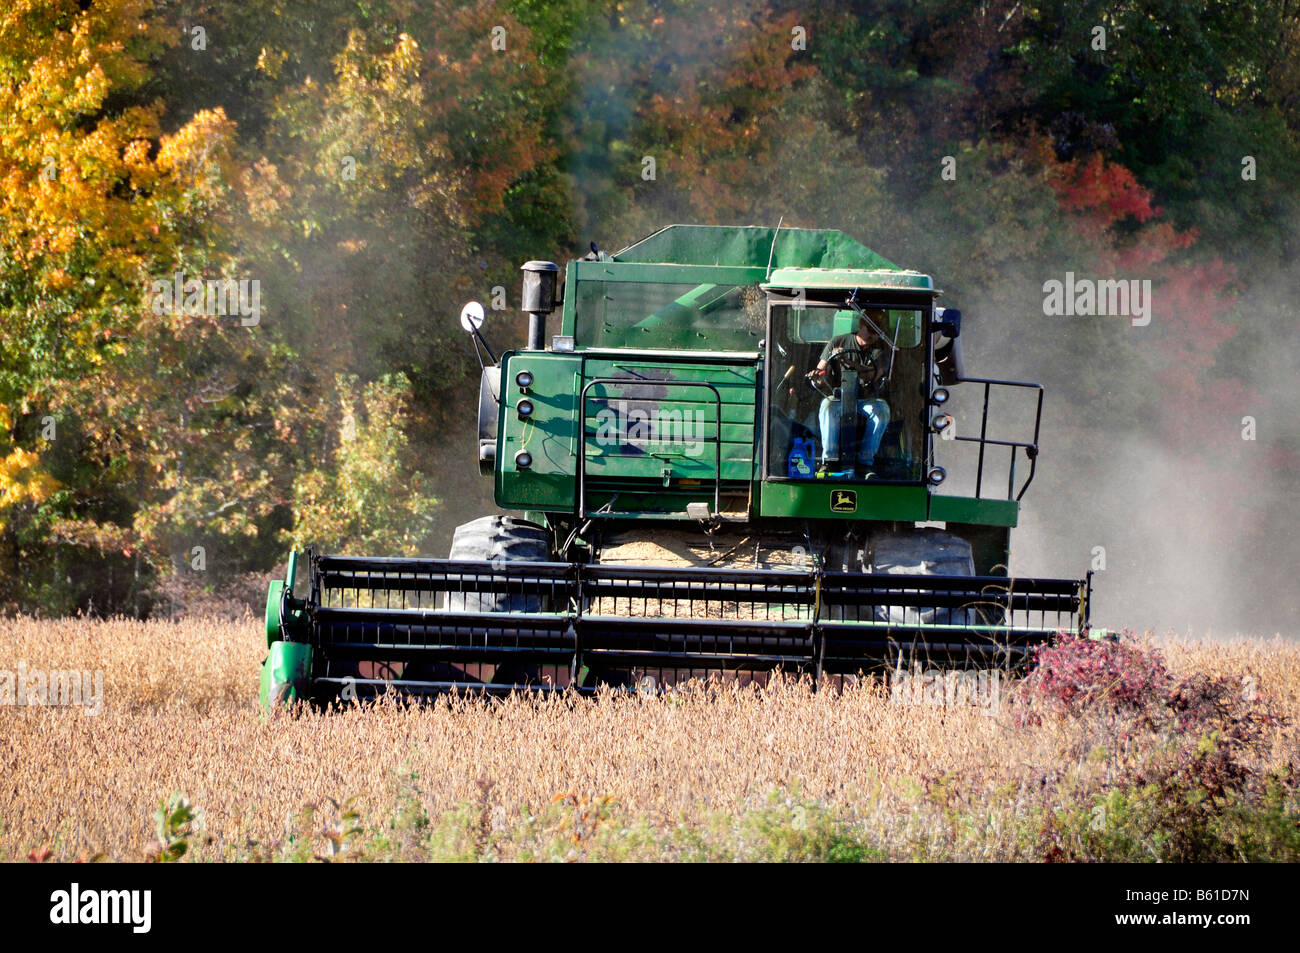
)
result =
(538, 299)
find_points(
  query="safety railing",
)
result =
(984, 440)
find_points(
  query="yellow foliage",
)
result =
(190, 152)
(271, 61)
(22, 480)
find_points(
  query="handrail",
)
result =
(1030, 448)
(581, 507)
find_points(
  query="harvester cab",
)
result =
(725, 461)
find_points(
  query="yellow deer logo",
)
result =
(844, 501)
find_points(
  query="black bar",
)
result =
(984, 424)
(337, 568)
(1031, 449)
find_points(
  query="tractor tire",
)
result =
(488, 539)
(491, 538)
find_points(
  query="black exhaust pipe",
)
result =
(540, 278)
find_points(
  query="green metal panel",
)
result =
(965, 509)
(285, 674)
(813, 499)
(683, 307)
(275, 593)
(285, 615)
(667, 273)
(735, 382)
(567, 310)
(657, 422)
(703, 427)
(680, 288)
(641, 504)
(755, 246)
(550, 435)
(737, 463)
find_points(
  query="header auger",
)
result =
(725, 463)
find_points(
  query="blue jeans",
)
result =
(876, 414)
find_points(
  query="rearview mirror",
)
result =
(471, 317)
(947, 321)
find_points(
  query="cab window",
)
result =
(847, 396)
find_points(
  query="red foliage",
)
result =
(1103, 193)
(1073, 674)
(1191, 298)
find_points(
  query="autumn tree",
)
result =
(98, 203)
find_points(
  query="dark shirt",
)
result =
(854, 361)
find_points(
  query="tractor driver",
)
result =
(865, 353)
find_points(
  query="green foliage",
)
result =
(369, 496)
(175, 822)
(795, 830)
(1181, 92)
(1178, 822)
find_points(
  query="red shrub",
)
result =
(1075, 674)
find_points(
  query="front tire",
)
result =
(493, 539)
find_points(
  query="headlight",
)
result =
(524, 408)
(523, 460)
(936, 475)
(525, 380)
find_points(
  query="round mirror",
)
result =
(471, 317)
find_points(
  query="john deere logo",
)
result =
(844, 501)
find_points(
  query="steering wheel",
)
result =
(852, 358)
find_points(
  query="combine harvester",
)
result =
(724, 463)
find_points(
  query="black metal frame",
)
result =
(1030, 448)
(633, 618)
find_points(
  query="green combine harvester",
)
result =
(726, 463)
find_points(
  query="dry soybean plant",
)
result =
(782, 773)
